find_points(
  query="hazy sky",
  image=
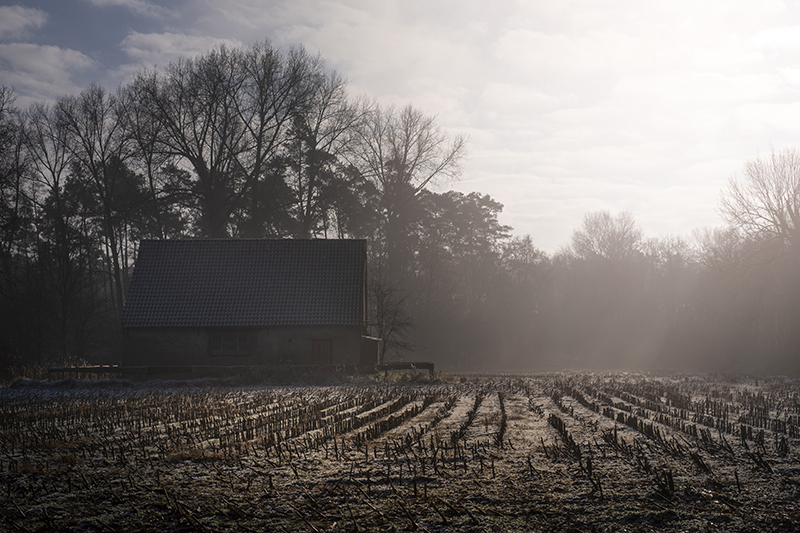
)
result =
(570, 106)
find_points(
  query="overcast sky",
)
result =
(570, 106)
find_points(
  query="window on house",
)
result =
(223, 343)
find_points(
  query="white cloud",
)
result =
(532, 52)
(389, 51)
(519, 102)
(163, 48)
(143, 8)
(17, 21)
(763, 117)
(549, 209)
(41, 72)
(571, 106)
(780, 38)
(149, 50)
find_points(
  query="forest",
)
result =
(261, 142)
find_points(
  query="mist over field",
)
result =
(231, 140)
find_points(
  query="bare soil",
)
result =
(557, 452)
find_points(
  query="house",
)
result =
(248, 302)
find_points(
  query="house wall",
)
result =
(291, 345)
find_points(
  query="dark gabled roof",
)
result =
(246, 282)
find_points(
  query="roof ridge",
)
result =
(236, 239)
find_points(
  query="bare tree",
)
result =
(317, 141)
(393, 323)
(763, 209)
(57, 265)
(98, 143)
(224, 114)
(719, 249)
(144, 132)
(601, 287)
(765, 204)
(14, 162)
(47, 141)
(401, 153)
(15, 220)
(603, 235)
(407, 147)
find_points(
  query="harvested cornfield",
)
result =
(555, 452)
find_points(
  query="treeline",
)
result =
(261, 142)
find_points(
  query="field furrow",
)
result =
(555, 452)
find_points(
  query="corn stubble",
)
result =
(554, 452)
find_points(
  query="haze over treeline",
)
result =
(258, 142)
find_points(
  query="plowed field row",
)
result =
(560, 452)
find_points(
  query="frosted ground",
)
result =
(554, 452)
